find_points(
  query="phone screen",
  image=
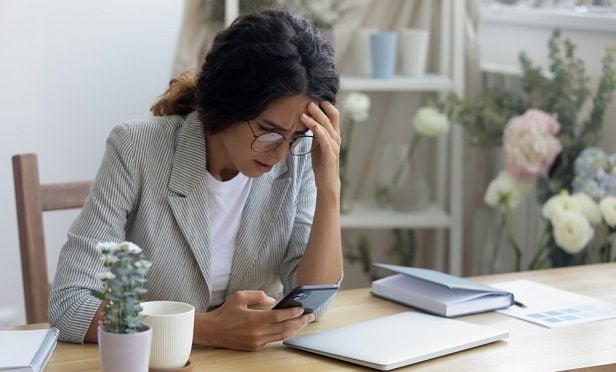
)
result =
(310, 297)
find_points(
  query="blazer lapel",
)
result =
(188, 192)
(264, 201)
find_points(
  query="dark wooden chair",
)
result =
(32, 199)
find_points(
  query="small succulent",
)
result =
(123, 285)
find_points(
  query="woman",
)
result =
(232, 190)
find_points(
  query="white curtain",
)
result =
(196, 36)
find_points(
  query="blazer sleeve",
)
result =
(104, 217)
(306, 204)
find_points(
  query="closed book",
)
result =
(27, 351)
(439, 293)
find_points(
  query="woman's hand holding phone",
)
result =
(234, 325)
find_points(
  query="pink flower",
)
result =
(530, 144)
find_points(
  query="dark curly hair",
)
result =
(260, 58)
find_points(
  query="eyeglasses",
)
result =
(270, 141)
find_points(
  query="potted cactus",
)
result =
(123, 341)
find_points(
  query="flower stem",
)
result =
(552, 247)
(344, 153)
(606, 248)
(499, 233)
(511, 239)
(409, 158)
(541, 246)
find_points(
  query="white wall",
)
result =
(69, 71)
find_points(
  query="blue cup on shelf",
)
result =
(383, 46)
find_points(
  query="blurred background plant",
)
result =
(564, 94)
(323, 13)
(402, 249)
(355, 108)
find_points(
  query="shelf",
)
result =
(444, 216)
(424, 83)
(588, 19)
(501, 69)
(369, 216)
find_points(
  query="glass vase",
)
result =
(346, 197)
(402, 184)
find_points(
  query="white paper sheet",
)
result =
(552, 307)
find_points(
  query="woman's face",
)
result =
(282, 117)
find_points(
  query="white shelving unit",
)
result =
(445, 214)
(427, 83)
(368, 216)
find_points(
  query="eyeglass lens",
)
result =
(270, 141)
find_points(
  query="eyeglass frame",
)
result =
(291, 141)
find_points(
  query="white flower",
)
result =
(107, 247)
(357, 105)
(559, 204)
(607, 206)
(588, 207)
(143, 263)
(572, 231)
(429, 122)
(109, 260)
(131, 248)
(504, 191)
(106, 276)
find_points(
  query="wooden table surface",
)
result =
(529, 347)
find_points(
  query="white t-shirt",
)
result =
(226, 202)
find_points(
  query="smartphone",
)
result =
(309, 297)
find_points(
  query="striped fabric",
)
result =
(151, 190)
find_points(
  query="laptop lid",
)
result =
(397, 340)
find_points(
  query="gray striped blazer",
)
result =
(151, 190)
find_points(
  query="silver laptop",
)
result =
(397, 340)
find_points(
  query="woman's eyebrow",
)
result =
(282, 128)
(271, 123)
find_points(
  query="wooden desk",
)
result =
(528, 348)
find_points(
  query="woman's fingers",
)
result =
(285, 329)
(276, 330)
(246, 298)
(327, 117)
(332, 113)
(325, 157)
(323, 136)
(280, 315)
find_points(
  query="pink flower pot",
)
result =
(124, 352)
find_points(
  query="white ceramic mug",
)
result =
(362, 59)
(172, 326)
(413, 51)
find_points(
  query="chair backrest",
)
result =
(32, 199)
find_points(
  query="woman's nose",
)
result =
(281, 152)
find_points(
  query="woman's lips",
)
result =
(263, 167)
